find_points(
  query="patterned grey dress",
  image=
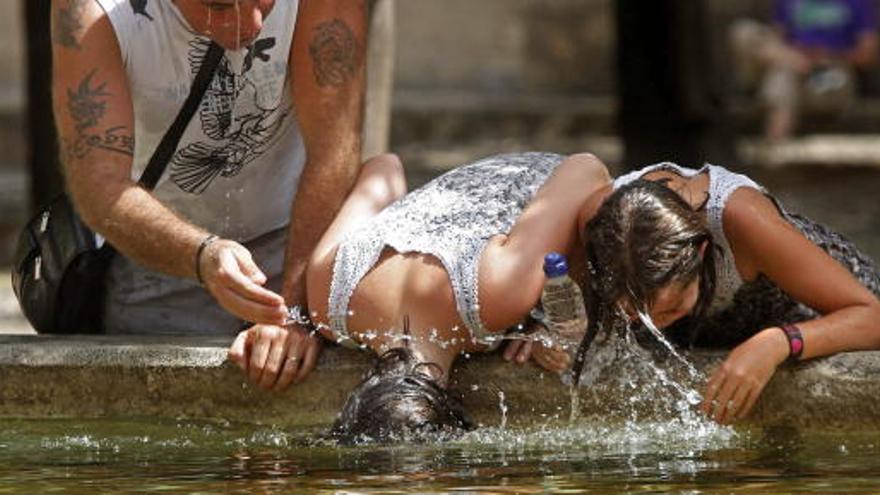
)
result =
(451, 218)
(740, 309)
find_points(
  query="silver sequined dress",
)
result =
(451, 218)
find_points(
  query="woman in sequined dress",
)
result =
(713, 258)
(424, 277)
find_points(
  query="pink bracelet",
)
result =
(795, 341)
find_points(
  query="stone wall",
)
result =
(12, 68)
(505, 45)
(13, 181)
(12, 83)
(527, 45)
(487, 46)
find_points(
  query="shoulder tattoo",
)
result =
(67, 25)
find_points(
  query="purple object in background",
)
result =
(831, 24)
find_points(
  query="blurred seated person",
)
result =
(808, 59)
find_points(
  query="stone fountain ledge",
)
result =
(104, 376)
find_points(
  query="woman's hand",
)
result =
(736, 385)
(540, 349)
(275, 357)
(229, 273)
(551, 356)
(518, 351)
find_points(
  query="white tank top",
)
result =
(236, 169)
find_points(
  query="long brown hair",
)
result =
(644, 237)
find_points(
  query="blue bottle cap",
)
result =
(555, 265)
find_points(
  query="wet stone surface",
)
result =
(190, 377)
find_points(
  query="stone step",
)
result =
(466, 112)
(829, 150)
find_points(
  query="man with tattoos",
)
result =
(257, 177)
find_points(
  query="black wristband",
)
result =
(205, 243)
(795, 341)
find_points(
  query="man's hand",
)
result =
(736, 385)
(231, 276)
(275, 357)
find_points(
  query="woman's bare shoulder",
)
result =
(748, 219)
(747, 206)
(588, 163)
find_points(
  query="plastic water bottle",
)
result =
(563, 302)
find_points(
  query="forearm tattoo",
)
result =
(334, 52)
(67, 26)
(87, 105)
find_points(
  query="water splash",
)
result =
(575, 402)
(622, 379)
(692, 396)
(641, 389)
(587, 440)
(649, 323)
(502, 406)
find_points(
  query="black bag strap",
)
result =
(159, 161)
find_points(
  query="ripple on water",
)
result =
(133, 456)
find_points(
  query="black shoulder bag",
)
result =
(59, 271)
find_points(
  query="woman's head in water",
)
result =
(398, 400)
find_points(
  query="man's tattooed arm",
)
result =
(86, 105)
(335, 54)
(67, 25)
(94, 114)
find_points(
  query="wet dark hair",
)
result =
(643, 238)
(399, 401)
